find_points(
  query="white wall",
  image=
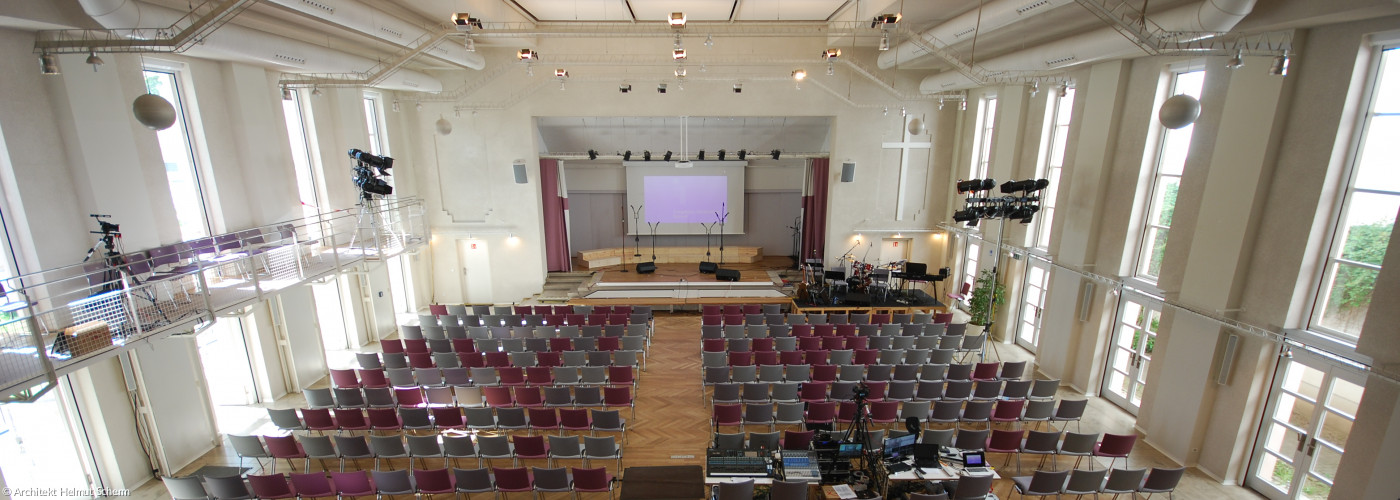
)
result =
(172, 381)
(297, 310)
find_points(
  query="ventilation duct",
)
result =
(233, 42)
(1106, 43)
(995, 15)
(379, 24)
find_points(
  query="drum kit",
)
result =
(819, 284)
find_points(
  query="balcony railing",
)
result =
(59, 320)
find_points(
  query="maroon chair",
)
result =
(765, 357)
(845, 330)
(809, 343)
(391, 346)
(618, 319)
(530, 448)
(543, 419)
(539, 375)
(792, 357)
(728, 415)
(711, 320)
(763, 344)
(880, 319)
(621, 375)
(529, 396)
(857, 343)
(344, 378)
(420, 360)
(472, 359)
(550, 359)
(597, 319)
(463, 345)
(603, 310)
(944, 318)
(619, 397)
(437, 309)
(1008, 442)
(802, 331)
(592, 480)
(796, 440)
(271, 486)
(498, 396)
(712, 345)
(373, 378)
(497, 359)
(313, 485)
(733, 309)
(846, 412)
(384, 419)
(351, 419)
(318, 419)
(711, 309)
(814, 392)
(1115, 446)
(884, 412)
(878, 388)
(284, 447)
(574, 419)
(986, 371)
(824, 330)
(866, 356)
(510, 375)
(435, 482)
(741, 358)
(523, 310)
(752, 308)
(821, 372)
(1008, 410)
(353, 484)
(822, 412)
(734, 319)
(573, 319)
(448, 417)
(561, 344)
(554, 319)
(409, 396)
(609, 343)
(413, 346)
(512, 480)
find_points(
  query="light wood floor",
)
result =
(670, 426)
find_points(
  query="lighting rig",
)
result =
(1019, 202)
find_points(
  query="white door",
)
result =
(1134, 338)
(1306, 425)
(1028, 323)
(476, 271)
(227, 371)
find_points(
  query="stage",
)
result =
(897, 302)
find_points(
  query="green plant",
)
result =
(986, 294)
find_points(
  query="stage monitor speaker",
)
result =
(708, 267)
(727, 274)
(848, 172)
(520, 177)
(857, 299)
(646, 267)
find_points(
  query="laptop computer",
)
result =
(975, 464)
(926, 455)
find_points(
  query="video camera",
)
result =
(369, 172)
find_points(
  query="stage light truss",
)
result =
(1018, 202)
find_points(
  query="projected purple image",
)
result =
(684, 199)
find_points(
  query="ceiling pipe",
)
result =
(994, 15)
(379, 24)
(1106, 43)
(233, 42)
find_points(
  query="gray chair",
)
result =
(1043, 483)
(352, 448)
(226, 487)
(387, 447)
(249, 447)
(1085, 482)
(737, 490)
(1078, 445)
(423, 448)
(1070, 410)
(1044, 389)
(729, 441)
(185, 488)
(368, 360)
(792, 413)
(494, 448)
(318, 398)
(968, 439)
(973, 487)
(925, 496)
(788, 490)
(941, 437)
(1045, 444)
(459, 447)
(602, 448)
(318, 448)
(1124, 481)
(401, 377)
(286, 419)
(480, 418)
(1038, 411)
(476, 480)
(551, 480)
(393, 482)
(349, 397)
(565, 448)
(1161, 480)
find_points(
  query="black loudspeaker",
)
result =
(708, 267)
(646, 267)
(848, 172)
(727, 274)
(520, 173)
(857, 299)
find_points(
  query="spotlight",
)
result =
(975, 185)
(677, 20)
(561, 73)
(1064, 89)
(1028, 185)
(885, 42)
(316, 91)
(799, 74)
(1035, 88)
(962, 106)
(667, 157)
(743, 153)
(680, 72)
(721, 155)
(48, 64)
(940, 104)
(94, 60)
(1236, 61)
(465, 22)
(661, 89)
(776, 153)
(1280, 65)
(700, 156)
(738, 88)
(831, 54)
(624, 88)
(527, 54)
(646, 155)
(287, 94)
(678, 54)
(886, 21)
(964, 216)
(627, 156)
(592, 154)
(709, 41)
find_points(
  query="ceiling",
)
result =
(615, 135)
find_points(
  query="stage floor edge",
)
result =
(921, 302)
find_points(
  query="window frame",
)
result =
(378, 139)
(1141, 251)
(983, 136)
(1050, 167)
(193, 148)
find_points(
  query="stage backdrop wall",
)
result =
(597, 201)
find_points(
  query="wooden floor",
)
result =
(757, 271)
(671, 422)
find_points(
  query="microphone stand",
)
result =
(637, 236)
(796, 228)
(624, 238)
(653, 227)
(708, 229)
(721, 218)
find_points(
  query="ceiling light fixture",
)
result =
(287, 93)
(940, 103)
(830, 54)
(677, 20)
(661, 89)
(886, 21)
(471, 44)
(592, 154)
(396, 106)
(743, 153)
(465, 22)
(678, 54)
(1236, 61)
(624, 88)
(799, 74)
(48, 64)
(561, 73)
(1035, 88)
(526, 55)
(667, 157)
(738, 88)
(885, 42)
(962, 106)
(316, 91)
(418, 107)
(721, 155)
(1280, 65)
(94, 60)
(680, 72)
(646, 155)
(1064, 89)
(709, 42)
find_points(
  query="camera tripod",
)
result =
(857, 432)
(373, 213)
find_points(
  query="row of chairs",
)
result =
(496, 336)
(448, 448)
(1094, 482)
(927, 391)
(740, 368)
(834, 342)
(733, 331)
(818, 357)
(888, 413)
(474, 396)
(498, 359)
(450, 418)
(610, 374)
(531, 344)
(439, 325)
(400, 482)
(461, 310)
(823, 318)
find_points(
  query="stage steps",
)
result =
(559, 287)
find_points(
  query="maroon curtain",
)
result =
(556, 231)
(814, 211)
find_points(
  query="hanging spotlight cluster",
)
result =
(723, 154)
(1019, 201)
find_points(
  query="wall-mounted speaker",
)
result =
(1227, 362)
(848, 172)
(1086, 296)
(520, 177)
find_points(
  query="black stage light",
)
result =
(743, 153)
(667, 157)
(964, 216)
(776, 153)
(592, 154)
(976, 185)
(646, 155)
(721, 155)
(627, 156)
(700, 156)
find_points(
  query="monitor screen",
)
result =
(974, 459)
(850, 449)
(899, 446)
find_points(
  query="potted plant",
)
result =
(986, 294)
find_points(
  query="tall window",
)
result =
(982, 138)
(374, 121)
(1368, 209)
(1166, 181)
(970, 262)
(1058, 110)
(301, 153)
(177, 150)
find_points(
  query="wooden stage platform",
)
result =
(611, 257)
(676, 285)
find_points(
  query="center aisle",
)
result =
(671, 417)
